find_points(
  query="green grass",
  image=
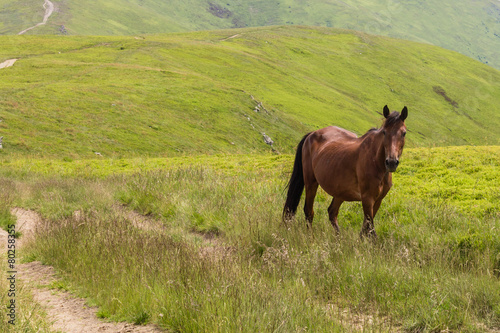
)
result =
(226, 262)
(464, 177)
(177, 94)
(6, 201)
(467, 27)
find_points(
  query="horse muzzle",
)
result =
(391, 164)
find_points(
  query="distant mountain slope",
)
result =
(469, 27)
(220, 91)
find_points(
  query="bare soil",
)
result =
(7, 63)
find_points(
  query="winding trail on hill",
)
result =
(67, 313)
(49, 9)
(234, 36)
(7, 63)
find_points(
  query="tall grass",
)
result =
(7, 196)
(226, 262)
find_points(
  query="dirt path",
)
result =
(68, 313)
(230, 37)
(49, 9)
(7, 63)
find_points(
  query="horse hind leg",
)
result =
(333, 212)
(311, 189)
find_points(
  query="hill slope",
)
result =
(198, 92)
(469, 27)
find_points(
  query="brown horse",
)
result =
(348, 168)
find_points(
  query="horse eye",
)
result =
(404, 134)
(383, 132)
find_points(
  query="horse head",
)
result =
(394, 130)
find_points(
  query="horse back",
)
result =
(330, 158)
(333, 137)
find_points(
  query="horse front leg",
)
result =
(368, 228)
(385, 189)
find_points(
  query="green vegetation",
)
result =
(224, 261)
(471, 28)
(197, 93)
(6, 203)
(466, 178)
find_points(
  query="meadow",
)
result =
(178, 121)
(224, 261)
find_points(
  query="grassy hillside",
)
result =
(16, 16)
(199, 92)
(469, 27)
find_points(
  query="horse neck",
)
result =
(374, 144)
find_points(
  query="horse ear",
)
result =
(404, 114)
(386, 111)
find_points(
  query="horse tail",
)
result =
(295, 184)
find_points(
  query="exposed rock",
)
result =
(267, 139)
(219, 11)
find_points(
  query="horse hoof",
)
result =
(368, 233)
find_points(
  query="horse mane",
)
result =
(370, 131)
(391, 119)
